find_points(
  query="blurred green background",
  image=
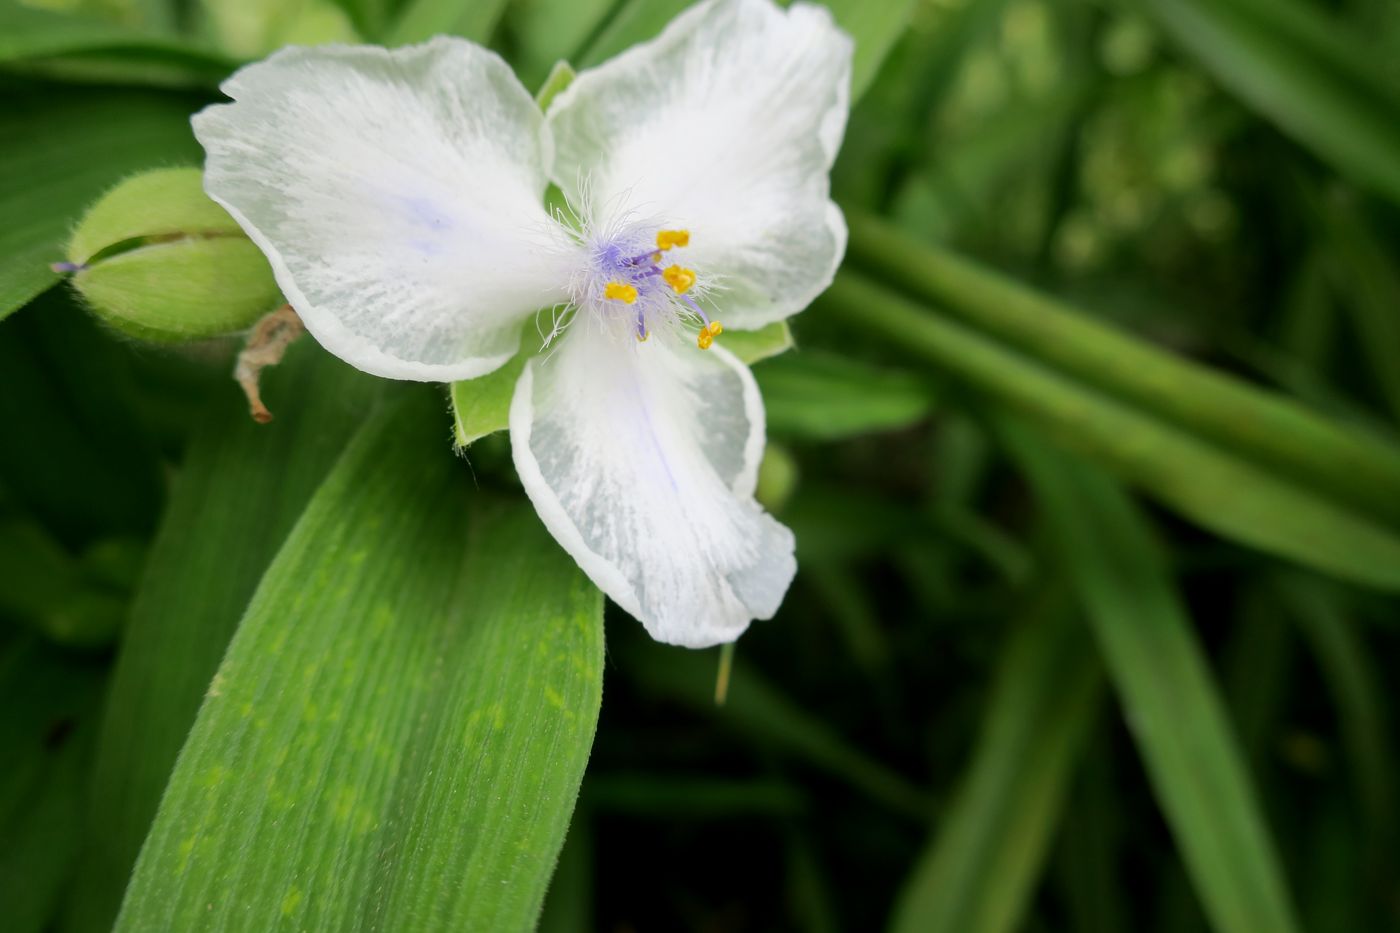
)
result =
(1090, 453)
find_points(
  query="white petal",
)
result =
(641, 459)
(398, 196)
(725, 125)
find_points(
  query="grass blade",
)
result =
(827, 397)
(981, 868)
(758, 710)
(1261, 503)
(1301, 71)
(1170, 699)
(1341, 650)
(1349, 464)
(397, 733)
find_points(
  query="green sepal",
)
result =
(751, 346)
(560, 77)
(481, 406)
(160, 261)
(186, 289)
(167, 202)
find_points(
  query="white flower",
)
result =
(399, 196)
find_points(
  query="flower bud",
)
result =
(157, 259)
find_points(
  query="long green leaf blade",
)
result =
(63, 148)
(875, 27)
(241, 489)
(1160, 674)
(423, 19)
(1351, 465)
(1255, 503)
(396, 736)
(756, 708)
(1300, 71)
(981, 867)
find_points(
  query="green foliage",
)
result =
(1259, 493)
(242, 488)
(325, 673)
(1318, 79)
(981, 869)
(51, 698)
(423, 19)
(1158, 669)
(444, 671)
(77, 143)
(157, 259)
(827, 397)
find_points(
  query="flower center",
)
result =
(632, 277)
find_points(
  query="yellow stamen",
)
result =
(665, 239)
(715, 328)
(619, 291)
(704, 340)
(679, 278)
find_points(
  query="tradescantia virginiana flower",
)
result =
(399, 196)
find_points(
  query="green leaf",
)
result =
(981, 867)
(240, 490)
(634, 21)
(68, 392)
(423, 19)
(1361, 270)
(1317, 81)
(875, 27)
(50, 700)
(760, 711)
(65, 147)
(543, 32)
(253, 28)
(827, 397)
(1354, 466)
(51, 590)
(1243, 462)
(397, 733)
(1349, 666)
(1160, 674)
(74, 46)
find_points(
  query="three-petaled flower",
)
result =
(399, 196)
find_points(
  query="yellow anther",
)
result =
(619, 291)
(665, 239)
(679, 278)
(715, 328)
(704, 340)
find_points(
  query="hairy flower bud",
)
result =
(158, 260)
